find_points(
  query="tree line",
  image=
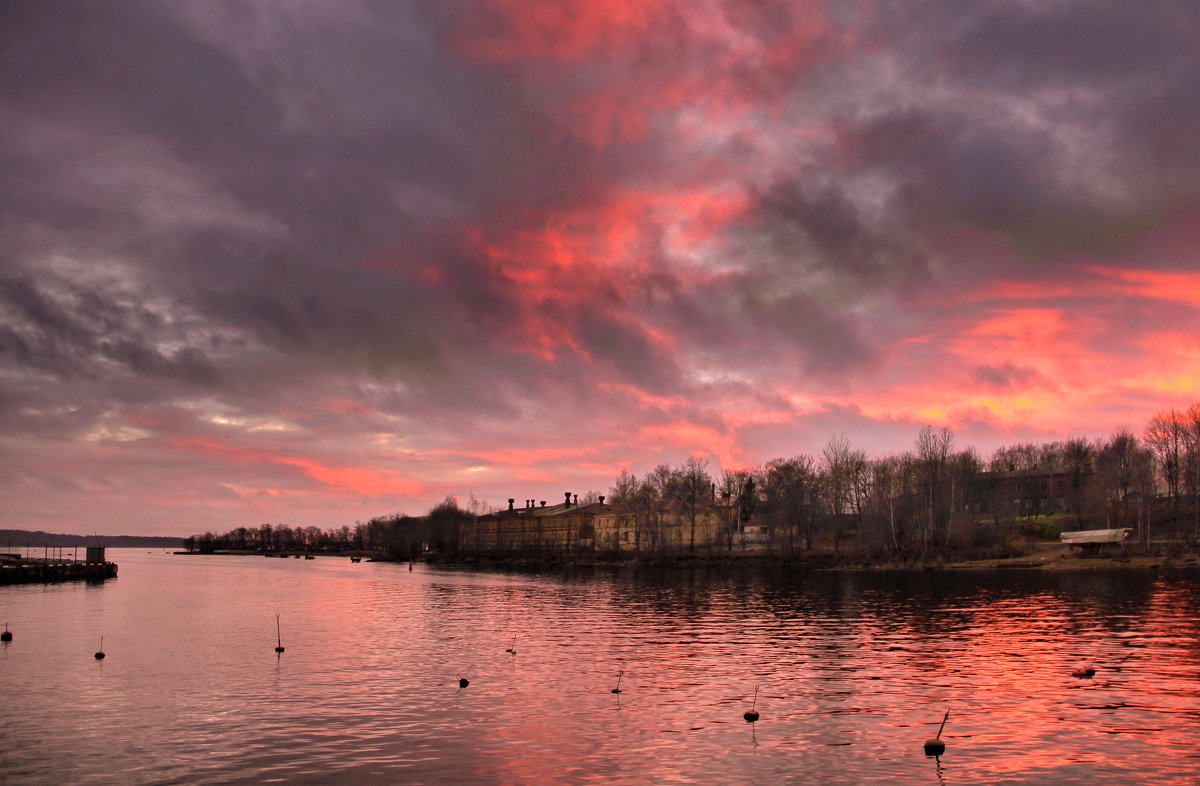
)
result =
(397, 536)
(932, 499)
(936, 498)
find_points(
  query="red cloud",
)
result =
(338, 478)
(1161, 285)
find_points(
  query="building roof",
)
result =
(544, 511)
(1082, 536)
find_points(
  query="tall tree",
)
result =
(791, 490)
(737, 497)
(1166, 435)
(693, 493)
(1078, 457)
(933, 455)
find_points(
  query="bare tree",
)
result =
(1166, 435)
(642, 500)
(1191, 465)
(693, 492)
(790, 495)
(737, 497)
(1078, 456)
(933, 456)
(1118, 462)
(845, 469)
(891, 485)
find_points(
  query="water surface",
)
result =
(855, 671)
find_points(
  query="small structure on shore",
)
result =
(1094, 541)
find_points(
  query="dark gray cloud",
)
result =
(1009, 376)
(250, 160)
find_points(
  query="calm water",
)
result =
(856, 671)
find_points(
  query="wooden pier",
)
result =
(18, 569)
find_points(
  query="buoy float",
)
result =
(5, 636)
(100, 652)
(617, 689)
(462, 683)
(1088, 670)
(513, 648)
(751, 716)
(278, 637)
(935, 746)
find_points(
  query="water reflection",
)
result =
(854, 671)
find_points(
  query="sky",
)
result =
(314, 261)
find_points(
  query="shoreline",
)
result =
(1053, 557)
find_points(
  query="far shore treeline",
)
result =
(935, 500)
(20, 538)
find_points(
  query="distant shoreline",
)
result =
(36, 539)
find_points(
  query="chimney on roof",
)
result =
(601, 499)
(567, 501)
(543, 503)
(510, 504)
(576, 499)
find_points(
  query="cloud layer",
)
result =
(313, 262)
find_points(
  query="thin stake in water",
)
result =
(935, 746)
(278, 636)
(617, 689)
(752, 715)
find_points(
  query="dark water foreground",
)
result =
(855, 671)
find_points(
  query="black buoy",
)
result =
(100, 652)
(1084, 672)
(278, 636)
(462, 683)
(620, 674)
(751, 716)
(5, 636)
(1088, 670)
(513, 647)
(935, 746)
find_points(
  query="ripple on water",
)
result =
(853, 671)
